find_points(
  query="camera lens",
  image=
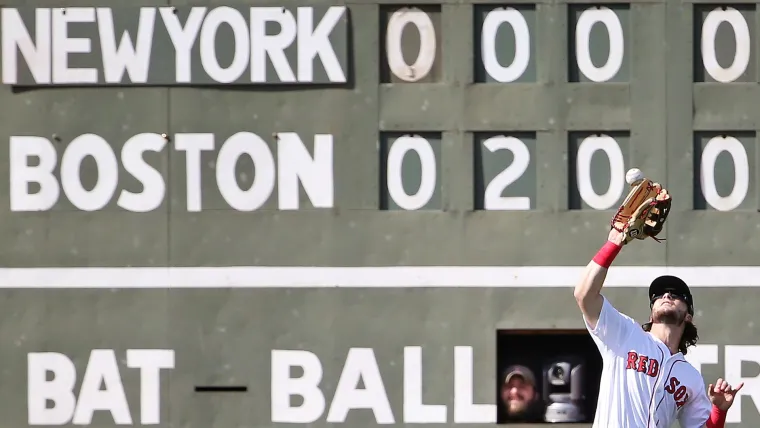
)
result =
(558, 373)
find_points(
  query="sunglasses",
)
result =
(675, 296)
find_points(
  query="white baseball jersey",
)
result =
(643, 385)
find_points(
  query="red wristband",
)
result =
(607, 254)
(717, 418)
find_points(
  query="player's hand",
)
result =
(615, 237)
(722, 395)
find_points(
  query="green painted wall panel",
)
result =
(225, 335)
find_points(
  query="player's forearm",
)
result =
(717, 418)
(588, 290)
(591, 282)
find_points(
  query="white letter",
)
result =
(102, 369)
(710, 154)
(427, 170)
(150, 362)
(414, 411)
(63, 45)
(296, 165)
(273, 46)
(235, 20)
(307, 386)
(360, 364)
(425, 57)
(741, 36)
(465, 411)
(116, 60)
(586, 21)
(59, 390)
(492, 198)
(154, 187)
(21, 148)
(491, 25)
(15, 35)
(316, 41)
(735, 355)
(702, 354)
(108, 172)
(182, 38)
(588, 146)
(263, 179)
(192, 145)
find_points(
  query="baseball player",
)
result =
(646, 382)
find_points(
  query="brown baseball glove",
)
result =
(643, 212)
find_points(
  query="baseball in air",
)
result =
(633, 175)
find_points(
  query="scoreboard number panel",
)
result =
(505, 171)
(723, 44)
(505, 37)
(599, 43)
(597, 165)
(725, 171)
(411, 44)
(410, 171)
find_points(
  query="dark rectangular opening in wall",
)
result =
(565, 366)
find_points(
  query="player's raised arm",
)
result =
(588, 290)
(641, 215)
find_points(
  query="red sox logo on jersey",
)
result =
(678, 391)
(651, 367)
(643, 364)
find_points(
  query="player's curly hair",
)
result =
(689, 337)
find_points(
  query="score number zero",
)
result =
(589, 146)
